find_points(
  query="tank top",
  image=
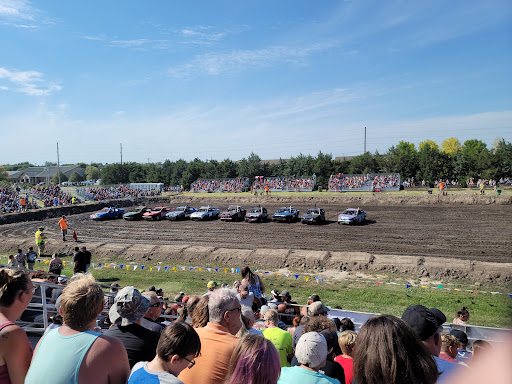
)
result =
(255, 288)
(4, 373)
(58, 358)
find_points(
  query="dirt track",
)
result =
(469, 233)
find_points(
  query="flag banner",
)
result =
(296, 277)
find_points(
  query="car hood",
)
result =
(254, 214)
(308, 215)
(345, 216)
(175, 213)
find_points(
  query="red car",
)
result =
(156, 213)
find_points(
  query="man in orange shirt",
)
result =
(63, 227)
(218, 340)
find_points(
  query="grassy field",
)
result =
(493, 310)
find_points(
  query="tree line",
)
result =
(428, 161)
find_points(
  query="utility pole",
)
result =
(121, 145)
(58, 162)
(364, 139)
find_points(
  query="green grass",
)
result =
(486, 309)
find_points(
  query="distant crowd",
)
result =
(113, 193)
(284, 183)
(11, 200)
(230, 334)
(219, 185)
(52, 196)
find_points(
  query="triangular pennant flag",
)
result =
(232, 270)
(121, 266)
(158, 267)
(307, 278)
(440, 286)
(209, 269)
(38, 260)
(225, 270)
(142, 267)
(150, 269)
(296, 277)
(64, 262)
(92, 265)
(238, 270)
(424, 286)
(267, 272)
(322, 281)
(317, 278)
(510, 295)
(408, 285)
(165, 269)
(174, 269)
(200, 269)
(277, 273)
(135, 267)
(127, 267)
(106, 264)
(216, 269)
(182, 268)
(379, 283)
(99, 265)
(191, 268)
(287, 274)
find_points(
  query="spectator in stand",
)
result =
(289, 308)
(347, 343)
(295, 324)
(389, 351)
(245, 297)
(20, 259)
(62, 281)
(253, 282)
(449, 345)
(247, 323)
(149, 320)
(16, 291)
(281, 339)
(79, 262)
(347, 325)
(83, 356)
(177, 348)
(201, 313)
(31, 258)
(254, 361)
(126, 314)
(462, 354)
(56, 265)
(315, 310)
(427, 325)
(462, 316)
(311, 353)
(212, 286)
(313, 298)
(218, 339)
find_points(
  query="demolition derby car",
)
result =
(180, 213)
(286, 214)
(205, 213)
(234, 213)
(156, 213)
(352, 216)
(136, 214)
(256, 215)
(313, 216)
(108, 213)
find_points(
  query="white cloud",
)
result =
(201, 35)
(20, 14)
(140, 44)
(29, 82)
(4, 88)
(215, 64)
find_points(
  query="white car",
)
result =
(352, 216)
(205, 213)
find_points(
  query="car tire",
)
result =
(158, 218)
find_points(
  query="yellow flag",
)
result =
(307, 278)
(174, 269)
(200, 269)
(277, 273)
(150, 268)
(225, 270)
(64, 262)
(424, 286)
(106, 264)
(127, 267)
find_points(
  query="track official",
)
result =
(40, 240)
(63, 227)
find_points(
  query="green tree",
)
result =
(115, 174)
(451, 146)
(364, 163)
(503, 158)
(430, 161)
(403, 159)
(92, 172)
(322, 168)
(475, 159)
(76, 177)
(3, 174)
(63, 178)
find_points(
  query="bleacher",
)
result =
(282, 184)
(369, 182)
(220, 185)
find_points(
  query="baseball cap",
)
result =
(62, 279)
(129, 306)
(275, 292)
(314, 297)
(311, 350)
(41, 227)
(423, 320)
(459, 335)
(179, 297)
(212, 284)
(285, 293)
(317, 308)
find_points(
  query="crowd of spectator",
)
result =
(391, 181)
(114, 193)
(368, 181)
(219, 185)
(52, 195)
(284, 183)
(227, 335)
(11, 200)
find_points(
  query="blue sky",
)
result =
(217, 79)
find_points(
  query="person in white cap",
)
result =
(311, 353)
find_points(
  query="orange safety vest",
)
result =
(63, 224)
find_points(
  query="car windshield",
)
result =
(211, 209)
(180, 209)
(350, 212)
(255, 210)
(313, 210)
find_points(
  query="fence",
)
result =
(283, 184)
(369, 182)
(219, 185)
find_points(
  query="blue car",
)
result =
(286, 214)
(108, 213)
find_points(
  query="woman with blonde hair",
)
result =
(16, 291)
(255, 360)
(200, 315)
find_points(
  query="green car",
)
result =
(137, 214)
